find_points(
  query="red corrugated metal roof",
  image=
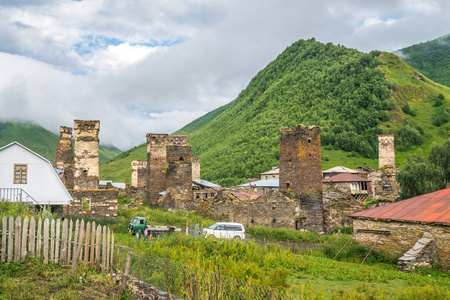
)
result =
(246, 196)
(345, 177)
(433, 207)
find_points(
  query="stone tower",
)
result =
(196, 168)
(139, 173)
(179, 169)
(386, 151)
(86, 161)
(64, 156)
(301, 172)
(156, 165)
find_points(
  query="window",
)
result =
(20, 174)
(86, 204)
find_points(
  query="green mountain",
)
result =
(431, 58)
(42, 141)
(352, 96)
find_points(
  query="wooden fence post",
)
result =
(52, 240)
(69, 243)
(125, 275)
(23, 252)
(86, 246)
(17, 239)
(108, 242)
(32, 242)
(104, 249)
(57, 235)
(91, 258)
(112, 252)
(4, 231)
(81, 228)
(75, 238)
(10, 239)
(39, 238)
(77, 251)
(46, 221)
(63, 256)
(97, 246)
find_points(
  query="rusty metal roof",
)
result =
(246, 196)
(345, 177)
(431, 208)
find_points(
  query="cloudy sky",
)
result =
(153, 66)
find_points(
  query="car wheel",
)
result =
(237, 237)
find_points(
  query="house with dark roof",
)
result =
(204, 189)
(417, 228)
(348, 184)
(339, 170)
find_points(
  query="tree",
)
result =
(419, 176)
(440, 156)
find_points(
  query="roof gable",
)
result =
(433, 208)
(345, 177)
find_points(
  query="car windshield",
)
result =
(135, 221)
(212, 226)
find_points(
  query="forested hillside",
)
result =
(431, 58)
(42, 141)
(352, 96)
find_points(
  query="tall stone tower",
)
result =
(139, 173)
(179, 169)
(386, 150)
(301, 172)
(196, 168)
(64, 155)
(86, 161)
(156, 165)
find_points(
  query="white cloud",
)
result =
(153, 66)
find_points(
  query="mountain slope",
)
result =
(42, 141)
(431, 58)
(353, 96)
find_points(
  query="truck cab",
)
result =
(136, 224)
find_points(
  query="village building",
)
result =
(139, 174)
(25, 176)
(261, 186)
(204, 189)
(339, 170)
(274, 173)
(348, 184)
(417, 229)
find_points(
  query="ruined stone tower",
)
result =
(386, 151)
(64, 156)
(139, 173)
(301, 173)
(179, 169)
(86, 161)
(156, 165)
(196, 168)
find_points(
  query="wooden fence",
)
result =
(57, 242)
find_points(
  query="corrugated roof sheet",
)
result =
(433, 208)
(273, 183)
(273, 171)
(345, 177)
(246, 196)
(340, 169)
(206, 183)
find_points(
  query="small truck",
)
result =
(141, 223)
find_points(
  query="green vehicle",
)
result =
(141, 223)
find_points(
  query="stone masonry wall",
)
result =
(386, 150)
(336, 214)
(403, 236)
(156, 165)
(139, 173)
(384, 183)
(64, 155)
(196, 168)
(93, 203)
(86, 161)
(179, 169)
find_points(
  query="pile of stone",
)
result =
(420, 255)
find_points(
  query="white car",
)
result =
(226, 230)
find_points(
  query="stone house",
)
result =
(261, 186)
(338, 170)
(203, 189)
(274, 173)
(348, 184)
(398, 227)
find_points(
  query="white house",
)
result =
(27, 176)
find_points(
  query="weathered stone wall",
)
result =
(139, 173)
(178, 140)
(179, 169)
(339, 187)
(86, 161)
(386, 151)
(156, 166)
(97, 204)
(336, 214)
(196, 168)
(384, 183)
(403, 235)
(64, 155)
(301, 173)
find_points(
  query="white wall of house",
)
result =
(43, 184)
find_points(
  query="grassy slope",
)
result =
(407, 88)
(41, 140)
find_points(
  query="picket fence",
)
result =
(59, 242)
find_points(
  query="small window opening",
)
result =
(273, 220)
(86, 204)
(309, 140)
(310, 155)
(181, 159)
(287, 185)
(273, 207)
(251, 221)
